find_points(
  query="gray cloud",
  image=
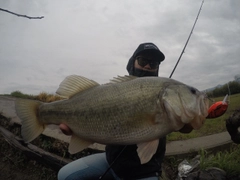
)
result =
(95, 39)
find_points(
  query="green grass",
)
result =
(19, 94)
(211, 126)
(227, 160)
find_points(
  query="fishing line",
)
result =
(187, 40)
(229, 92)
(101, 177)
(110, 166)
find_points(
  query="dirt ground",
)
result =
(14, 165)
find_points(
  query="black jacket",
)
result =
(128, 166)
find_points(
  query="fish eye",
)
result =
(193, 90)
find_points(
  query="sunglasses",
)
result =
(144, 61)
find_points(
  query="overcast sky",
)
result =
(95, 39)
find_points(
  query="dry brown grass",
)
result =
(45, 97)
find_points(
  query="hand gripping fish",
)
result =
(128, 110)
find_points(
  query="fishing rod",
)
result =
(187, 40)
(101, 177)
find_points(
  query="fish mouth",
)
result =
(191, 109)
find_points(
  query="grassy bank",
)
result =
(226, 160)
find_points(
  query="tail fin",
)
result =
(27, 112)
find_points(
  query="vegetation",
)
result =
(19, 94)
(43, 96)
(234, 86)
(227, 160)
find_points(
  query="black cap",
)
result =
(150, 47)
(142, 48)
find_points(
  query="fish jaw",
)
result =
(186, 105)
(203, 106)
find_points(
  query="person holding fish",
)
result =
(131, 115)
(124, 160)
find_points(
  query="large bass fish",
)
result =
(128, 110)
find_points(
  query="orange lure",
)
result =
(218, 108)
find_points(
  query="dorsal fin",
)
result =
(74, 84)
(120, 79)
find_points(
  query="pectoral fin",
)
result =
(147, 150)
(76, 144)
